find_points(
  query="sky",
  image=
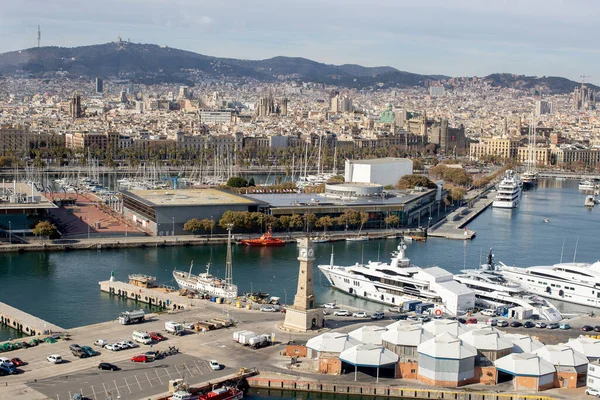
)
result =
(451, 37)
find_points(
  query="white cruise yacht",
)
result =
(492, 290)
(577, 283)
(400, 281)
(586, 185)
(509, 191)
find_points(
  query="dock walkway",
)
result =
(454, 225)
(24, 322)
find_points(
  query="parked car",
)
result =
(341, 313)
(10, 368)
(151, 355)
(17, 362)
(564, 327)
(3, 372)
(516, 324)
(107, 366)
(113, 347)
(360, 314)
(423, 318)
(541, 325)
(377, 315)
(101, 342)
(502, 323)
(528, 324)
(214, 365)
(472, 321)
(597, 328)
(462, 320)
(592, 392)
(139, 358)
(54, 359)
(395, 309)
(491, 322)
(157, 336)
(587, 328)
(553, 325)
(330, 305)
(268, 309)
(401, 317)
(89, 351)
(130, 343)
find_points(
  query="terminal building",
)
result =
(164, 212)
(382, 171)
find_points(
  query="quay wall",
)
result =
(170, 300)
(259, 382)
(24, 322)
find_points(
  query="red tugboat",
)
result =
(264, 240)
(224, 393)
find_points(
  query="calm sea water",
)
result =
(63, 287)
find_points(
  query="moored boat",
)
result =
(265, 240)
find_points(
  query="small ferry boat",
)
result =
(224, 393)
(264, 240)
(357, 239)
(586, 185)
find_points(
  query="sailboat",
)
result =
(530, 177)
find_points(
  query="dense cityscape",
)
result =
(279, 203)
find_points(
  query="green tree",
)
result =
(336, 179)
(324, 222)
(457, 193)
(296, 222)
(45, 229)
(309, 220)
(411, 181)
(251, 182)
(237, 181)
(5, 161)
(193, 226)
(392, 220)
(207, 224)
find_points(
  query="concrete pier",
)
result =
(454, 225)
(24, 322)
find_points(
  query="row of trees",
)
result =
(458, 176)
(253, 221)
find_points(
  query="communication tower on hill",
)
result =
(39, 36)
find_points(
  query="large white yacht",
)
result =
(577, 283)
(509, 191)
(400, 281)
(492, 290)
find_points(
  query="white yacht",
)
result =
(400, 281)
(509, 191)
(206, 283)
(574, 282)
(586, 185)
(492, 290)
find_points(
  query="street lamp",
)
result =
(212, 222)
(173, 218)
(251, 291)
(9, 233)
(285, 297)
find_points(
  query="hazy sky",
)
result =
(452, 37)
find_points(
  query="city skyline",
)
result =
(541, 38)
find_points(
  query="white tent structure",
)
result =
(368, 334)
(330, 342)
(563, 356)
(585, 345)
(527, 366)
(523, 343)
(439, 326)
(368, 355)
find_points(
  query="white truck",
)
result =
(259, 341)
(176, 328)
(244, 337)
(132, 317)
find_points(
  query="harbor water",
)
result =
(62, 287)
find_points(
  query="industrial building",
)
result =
(527, 371)
(382, 171)
(164, 212)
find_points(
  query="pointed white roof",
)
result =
(370, 334)
(406, 335)
(486, 339)
(332, 342)
(369, 355)
(439, 326)
(523, 343)
(527, 364)
(447, 346)
(562, 355)
(585, 345)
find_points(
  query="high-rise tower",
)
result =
(304, 314)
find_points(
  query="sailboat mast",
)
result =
(229, 264)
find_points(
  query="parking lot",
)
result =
(133, 381)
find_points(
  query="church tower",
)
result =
(304, 314)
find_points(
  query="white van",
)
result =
(141, 337)
(489, 312)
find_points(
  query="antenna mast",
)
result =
(39, 36)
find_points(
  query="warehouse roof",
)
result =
(585, 345)
(331, 342)
(487, 339)
(189, 197)
(562, 355)
(524, 364)
(406, 335)
(523, 343)
(439, 326)
(368, 334)
(369, 355)
(447, 346)
(378, 161)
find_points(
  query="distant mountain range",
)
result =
(150, 63)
